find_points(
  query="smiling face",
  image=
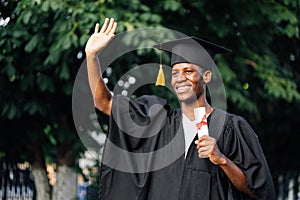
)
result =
(188, 81)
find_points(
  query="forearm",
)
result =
(236, 176)
(207, 146)
(101, 94)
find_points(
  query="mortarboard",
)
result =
(190, 50)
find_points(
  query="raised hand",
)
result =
(100, 39)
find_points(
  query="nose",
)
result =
(180, 77)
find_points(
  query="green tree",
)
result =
(42, 46)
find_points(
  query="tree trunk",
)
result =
(41, 183)
(39, 173)
(65, 187)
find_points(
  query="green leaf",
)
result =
(171, 5)
(291, 30)
(31, 107)
(27, 82)
(45, 6)
(26, 17)
(83, 39)
(65, 42)
(64, 72)
(55, 6)
(48, 133)
(74, 40)
(45, 83)
(10, 70)
(150, 17)
(54, 56)
(32, 44)
(18, 33)
(9, 110)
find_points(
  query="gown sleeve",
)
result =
(242, 146)
(135, 124)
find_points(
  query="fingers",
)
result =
(204, 152)
(207, 148)
(203, 148)
(110, 26)
(203, 141)
(103, 29)
(97, 28)
(114, 28)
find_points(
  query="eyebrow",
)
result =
(183, 68)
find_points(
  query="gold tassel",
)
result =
(160, 77)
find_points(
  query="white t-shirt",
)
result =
(190, 130)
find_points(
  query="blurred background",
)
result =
(42, 48)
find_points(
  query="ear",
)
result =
(207, 76)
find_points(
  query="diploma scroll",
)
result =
(201, 121)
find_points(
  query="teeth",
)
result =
(182, 88)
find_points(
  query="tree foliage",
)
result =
(42, 46)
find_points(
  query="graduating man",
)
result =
(228, 163)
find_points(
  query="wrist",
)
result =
(223, 161)
(90, 53)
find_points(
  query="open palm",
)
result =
(100, 39)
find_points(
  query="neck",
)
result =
(188, 108)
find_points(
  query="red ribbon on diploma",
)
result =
(201, 123)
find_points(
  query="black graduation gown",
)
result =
(187, 178)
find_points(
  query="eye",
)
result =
(188, 72)
(174, 73)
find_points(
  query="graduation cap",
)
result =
(190, 50)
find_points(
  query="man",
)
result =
(231, 163)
